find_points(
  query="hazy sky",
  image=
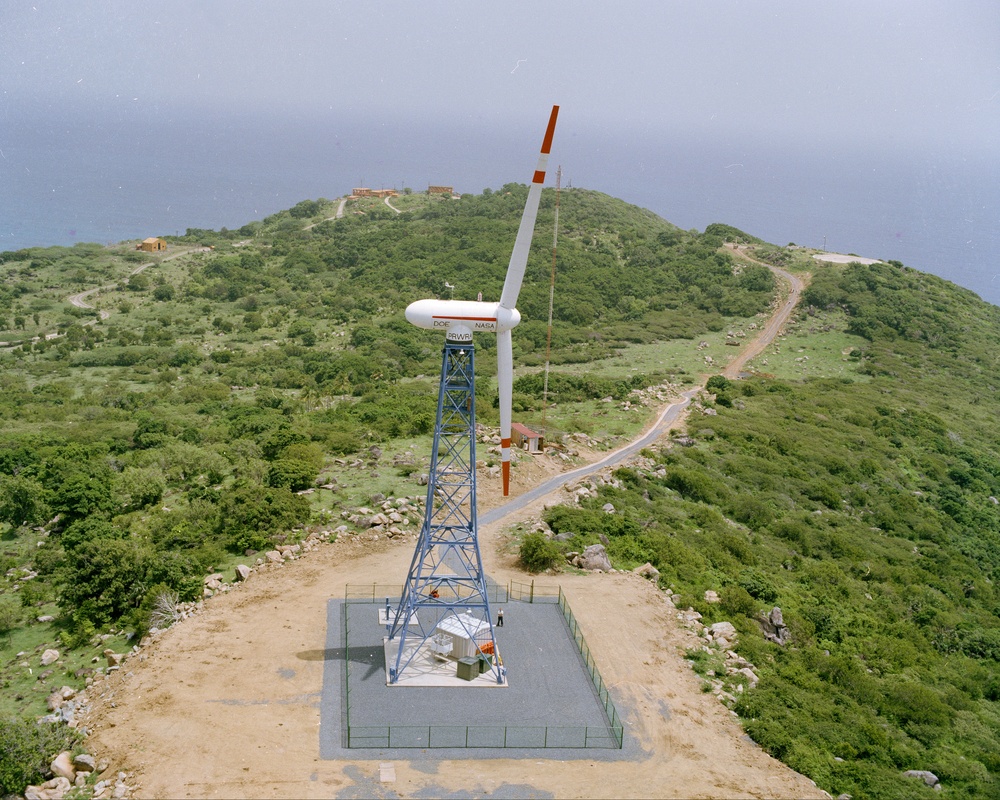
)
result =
(913, 74)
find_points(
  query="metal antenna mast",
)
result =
(552, 291)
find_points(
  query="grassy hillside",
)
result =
(865, 506)
(166, 431)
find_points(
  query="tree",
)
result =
(251, 515)
(137, 283)
(104, 579)
(163, 292)
(22, 501)
(82, 494)
(291, 473)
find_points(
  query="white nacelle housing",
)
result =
(461, 317)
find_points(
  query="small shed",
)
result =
(468, 634)
(152, 245)
(525, 438)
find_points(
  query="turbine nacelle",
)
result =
(461, 318)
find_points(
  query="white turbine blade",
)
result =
(505, 381)
(522, 245)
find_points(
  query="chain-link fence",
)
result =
(431, 736)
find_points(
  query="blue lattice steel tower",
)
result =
(445, 595)
(445, 608)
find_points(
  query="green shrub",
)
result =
(11, 615)
(537, 553)
(758, 586)
(735, 601)
(26, 748)
(291, 473)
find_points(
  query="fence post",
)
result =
(532, 597)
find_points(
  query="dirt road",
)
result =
(775, 323)
(80, 298)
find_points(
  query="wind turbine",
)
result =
(459, 318)
(446, 582)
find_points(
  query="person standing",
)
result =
(500, 618)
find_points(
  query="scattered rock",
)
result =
(84, 763)
(49, 657)
(595, 557)
(114, 659)
(53, 701)
(925, 775)
(750, 675)
(647, 570)
(711, 597)
(723, 630)
(242, 572)
(608, 508)
(774, 627)
(62, 767)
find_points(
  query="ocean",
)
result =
(80, 178)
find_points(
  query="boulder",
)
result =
(242, 572)
(723, 630)
(608, 508)
(114, 659)
(774, 628)
(647, 570)
(711, 597)
(49, 657)
(84, 763)
(749, 674)
(925, 775)
(62, 767)
(273, 556)
(595, 557)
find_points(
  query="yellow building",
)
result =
(152, 245)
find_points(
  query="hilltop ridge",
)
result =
(849, 476)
